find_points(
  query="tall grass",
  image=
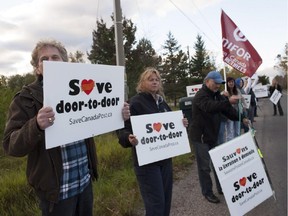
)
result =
(115, 193)
(16, 197)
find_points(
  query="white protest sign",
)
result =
(87, 100)
(241, 174)
(246, 189)
(247, 100)
(275, 97)
(193, 89)
(160, 136)
(260, 91)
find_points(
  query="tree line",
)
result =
(177, 67)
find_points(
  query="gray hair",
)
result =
(47, 43)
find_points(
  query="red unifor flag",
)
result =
(237, 50)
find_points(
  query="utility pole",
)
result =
(120, 58)
(188, 55)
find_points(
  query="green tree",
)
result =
(78, 57)
(174, 69)
(231, 72)
(283, 59)
(8, 87)
(264, 80)
(103, 46)
(137, 56)
(283, 66)
(200, 62)
(3, 81)
(129, 38)
(16, 82)
(141, 57)
(6, 96)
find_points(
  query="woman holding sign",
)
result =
(155, 179)
(233, 127)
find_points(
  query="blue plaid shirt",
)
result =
(75, 169)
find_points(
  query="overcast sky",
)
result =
(24, 22)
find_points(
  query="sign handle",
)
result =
(253, 132)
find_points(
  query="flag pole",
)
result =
(224, 71)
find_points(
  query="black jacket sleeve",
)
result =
(124, 133)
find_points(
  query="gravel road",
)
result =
(188, 200)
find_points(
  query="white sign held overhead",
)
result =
(160, 136)
(87, 100)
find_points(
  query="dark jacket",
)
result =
(140, 104)
(272, 89)
(207, 110)
(253, 98)
(22, 136)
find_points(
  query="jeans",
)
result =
(79, 205)
(204, 163)
(222, 133)
(155, 182)
(251, 113)
(232, 129)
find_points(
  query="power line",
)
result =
(204, 18)
(190, 20)
(140, 16)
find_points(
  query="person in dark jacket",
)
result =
(275, 85)
(154, 179)
(208, 106)
(61, 176)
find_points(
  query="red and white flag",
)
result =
(237, 50)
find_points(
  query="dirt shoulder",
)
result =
(187, 198)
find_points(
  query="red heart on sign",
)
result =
(87, 86)
(196, 89)
(238, 150)
(157, 126)
(242, 181)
